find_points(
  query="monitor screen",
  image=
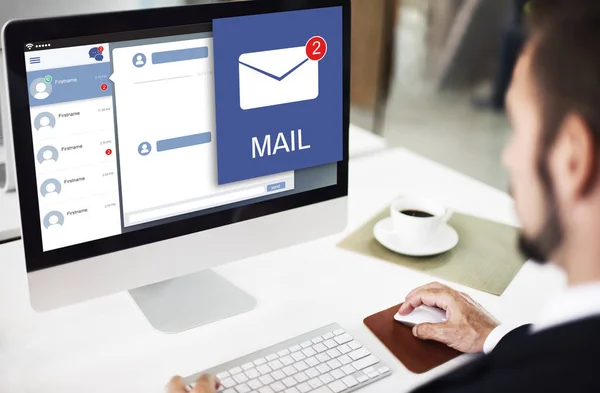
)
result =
(143, 128)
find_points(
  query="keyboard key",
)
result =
(317, 340)
(334, 353)
(298, 356)
(240, 378)
(350, 381)
(320, 348)
(292, 390)
(309, 352)
(275, 364)
(301, 377)
(383, 370)
(277, 375)
(289, 382)
(260, 361)
(283, 352)
(330, 344)
(323, 368)
(278, 387)
(334, 364)
(235, 370)
(345, 359)
(255, 384)
(306, 344)
(243, 388)
(362, 378)
(354, 345)
(373, 374)
(323, 357)
(343, 338)
(266, 379)
(326, 378)
(252, 373)
(315, 383)
(327, 336)
(348, 369)
(365, 362)
(286, 360)
(248, 366)
(301, 365)
(359, 354)
(337, 374)
(295, 348)
(337, 386)
(224, 391)
(369, 370)
(223, 375)
(228, 382)
(264, 369)
(338, 332)
(272, 357)
(304, 387)
(289, 370)
(312, 361)
(312, 373)
(344, 349)
(266, 389)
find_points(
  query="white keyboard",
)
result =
(326, 360)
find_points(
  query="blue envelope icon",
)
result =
(277, 77)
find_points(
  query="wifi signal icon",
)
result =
(29, 46)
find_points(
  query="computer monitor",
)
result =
(151, 146)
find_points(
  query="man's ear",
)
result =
(574, 158)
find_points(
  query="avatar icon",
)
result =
(54, 219)
(40, 89)
(45, 121)
(139, 60)
(50, 187)
(144, 148)
(47, 154)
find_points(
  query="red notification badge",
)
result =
(104, 87)
(108, 152)
(316, 48)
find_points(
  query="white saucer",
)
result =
(445, 240)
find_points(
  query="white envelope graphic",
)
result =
(277, 77)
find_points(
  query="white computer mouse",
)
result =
(423, 314)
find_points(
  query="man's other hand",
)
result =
(204, 384)
(467, 324)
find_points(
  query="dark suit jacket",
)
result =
(562, 359)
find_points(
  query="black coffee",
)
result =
(416, 213)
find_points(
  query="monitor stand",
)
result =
(187, 302)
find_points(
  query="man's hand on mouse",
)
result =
(204, 384)
(467, 324)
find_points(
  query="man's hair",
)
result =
(565, 63)
(565, 67)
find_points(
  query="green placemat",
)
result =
(486, 257)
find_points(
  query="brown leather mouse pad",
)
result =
(417, 355)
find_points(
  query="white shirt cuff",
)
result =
(496, 336)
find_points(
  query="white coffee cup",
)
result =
(417, 230)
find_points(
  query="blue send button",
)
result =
(276, 187)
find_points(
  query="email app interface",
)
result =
(167, 133)
(279, 93)
(131, 134)
(71, 110)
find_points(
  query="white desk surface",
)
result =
(362, 143)
(10, 221)
(106, 345)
